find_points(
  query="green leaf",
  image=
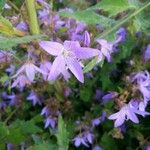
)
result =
(2, 3)
(62, 135)
(90, 65)
(108, 143)
(113, 7)
(3, 132)
(43, 146)
(89, 17)
(9, 43)
(7, 28)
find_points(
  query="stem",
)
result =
(124, 20)
(12, 113)
(33, 21)
(13, 5)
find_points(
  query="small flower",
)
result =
(22, 26)
(30, 70)
(46, 67)
(109, 96)
(87, 39)
(143, 80)
(80, 141)
(97, 148)
(106, 48)
(50, 122)
(67, 57)
(147, 53)
(11, 70)
(84, 139)
(127, 112)
(21, 81)
(97, 121)
(34, 98)
(120, 35)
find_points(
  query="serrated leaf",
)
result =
(9, 43)
(89, 17)
(62, 135)
(112, 7)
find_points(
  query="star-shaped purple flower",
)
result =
(67, 57)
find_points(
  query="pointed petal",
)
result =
(86, 53)
(19, 71)
(71, 44)
(119, 121)
(40, 70)
(114, 116)
(30, 72)
(52, 48)
(56, 68)
(75, 68)
(131, 115)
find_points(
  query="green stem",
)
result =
(12, 113)
(33, 21)
(13, 5)
(124, 20)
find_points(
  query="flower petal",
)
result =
(30, 71)
(75, 68)
(71, 44)
(52, 48)
(56, 68)
(86, 53)
(131, 115)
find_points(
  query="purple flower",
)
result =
(21, 81)
(67, 92)
(87, 39)
(147, 148)
(143, 81)
(106, 48)
(97, 148)
(45, 111)
(44, 16)
(147, 53)
(98, 95)
(109, 96)
(34, 98)
(84, 139)
(22, 26)
(50, 122)
(5, 56)
(11, 147)
(14, 100)
(67, 57)
(3, 105)
(80, 141)
(127, 112)
(97, 121)
(11, 70)
(46, 67)
(30, 70)
(120, 35)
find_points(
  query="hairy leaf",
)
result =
(89, 17)
(112, 7)
(62, 135)
(8, 43)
